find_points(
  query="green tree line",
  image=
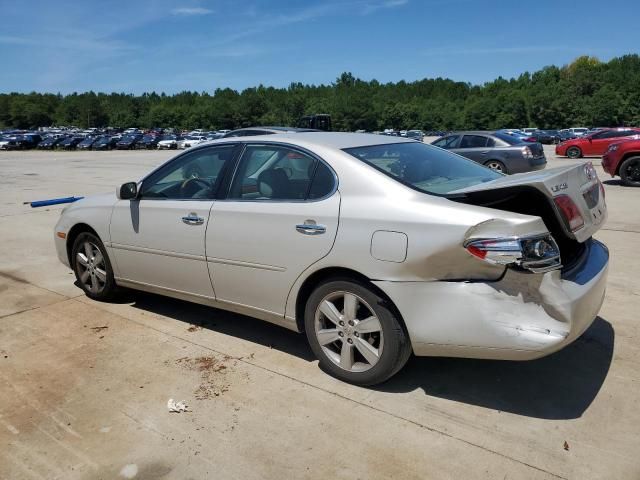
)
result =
(586, 92)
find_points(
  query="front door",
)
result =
(159, 238)
(280, 216)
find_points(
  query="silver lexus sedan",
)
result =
(376, 247)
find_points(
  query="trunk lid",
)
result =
(537, 150)
(579, 182)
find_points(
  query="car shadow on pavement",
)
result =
(560, 386)
(613, 181)
(240, 326)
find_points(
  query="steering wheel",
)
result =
(191, 184)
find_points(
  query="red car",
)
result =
(624, 159)
(594, 144)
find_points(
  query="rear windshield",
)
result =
(424, 167)
(510, 139)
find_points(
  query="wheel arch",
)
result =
(624, 158)
(577, 147)
(76, 230)
(338, 273)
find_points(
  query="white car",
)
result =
(374, 246)
(579, 131)
(168, 142)
(191, 141)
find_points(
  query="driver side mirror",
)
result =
(127, 191)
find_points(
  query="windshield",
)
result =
(424, 167)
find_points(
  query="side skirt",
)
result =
(241, 309)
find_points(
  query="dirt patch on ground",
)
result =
(213, 373)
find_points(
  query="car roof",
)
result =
(274, 129)
(336, 140)
(473, 132)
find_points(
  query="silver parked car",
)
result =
(374, 246)
(501, 151)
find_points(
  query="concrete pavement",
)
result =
(84, 385)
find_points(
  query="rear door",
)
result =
(474, 147)
(279, 217)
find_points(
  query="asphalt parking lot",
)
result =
(84, 385)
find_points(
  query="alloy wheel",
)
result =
(574, 152)
(92, 270)
(497, 166)
(348, 331)
(632, 171)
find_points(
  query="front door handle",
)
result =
(193, 219)
(310, 227)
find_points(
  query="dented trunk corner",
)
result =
(519, 317)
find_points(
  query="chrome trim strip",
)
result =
(166, 291)
(239, 263)
(153, 251)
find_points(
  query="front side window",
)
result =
(274, 172)
(195, 175)
(424, 168)
(622, 133)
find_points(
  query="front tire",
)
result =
(574, 152)
(355, 333)
(630, 172)
(92, 267)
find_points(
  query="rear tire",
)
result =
(574, 152)
(630, 172)
(496, 165)
(355, 333)
(92, 267)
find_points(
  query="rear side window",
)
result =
(275, 172)
(323, 182)
(508, 139)
(473, 141)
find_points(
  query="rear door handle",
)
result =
(308, 228)
(484, 152)
(193, 219)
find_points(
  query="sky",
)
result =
(169, 46)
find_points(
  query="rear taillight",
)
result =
(536, 254)
(531, 139)
(570, 212)
(526, 152)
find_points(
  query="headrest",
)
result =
(273, 183)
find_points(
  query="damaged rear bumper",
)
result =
(521, 317)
